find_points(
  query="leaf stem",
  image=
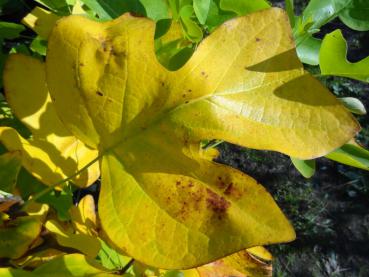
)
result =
(50, 188)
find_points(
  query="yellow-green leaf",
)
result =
(72, 265)
(36, 259)
(52, 153)
(243, 85)
(88, 245)
(333, 61)
(351, 154)
(240, 264)
(10, 164)
(17, 236)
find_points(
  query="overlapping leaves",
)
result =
(147, 122)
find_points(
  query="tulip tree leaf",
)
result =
(333, 59)
(356, 15)
(148, 122)
(52, 153)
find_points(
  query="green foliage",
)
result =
(305, 167)
(137, 217)
(333, 59)
(356, 15)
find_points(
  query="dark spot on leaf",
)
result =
(187, 102)
(190, 90)
(216, 202)
(257, 39)
(99, 93)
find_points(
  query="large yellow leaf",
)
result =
(163, 201)
(52, 153)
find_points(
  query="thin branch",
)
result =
(50, 188)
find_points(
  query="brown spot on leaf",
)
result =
(233, 191)
(216, 202)
(257, 39)
(99, 93)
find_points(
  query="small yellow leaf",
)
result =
(41, 21)
(84, 216)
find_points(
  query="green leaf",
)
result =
(106, 9)
(10, 164)
(72, 265)
(60, 7)
(39, 46)
(354, 105)
(16, 236)
(61, 201)
(110, 258)
(9, 30)
(243, 7)
(156, 9)
(308, 50)
(290, 9)
(321, 12)
(305, 167)
(216, 16)
(201, 8)
(356, 15)
(192, 31)
(352, 155)
(333, 59)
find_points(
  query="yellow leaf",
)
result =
(241, 264)
(41, 21)
(52, 153)
(88, 245)
(36, 259)
(162, 200)
(84, 216)
(260, 252)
